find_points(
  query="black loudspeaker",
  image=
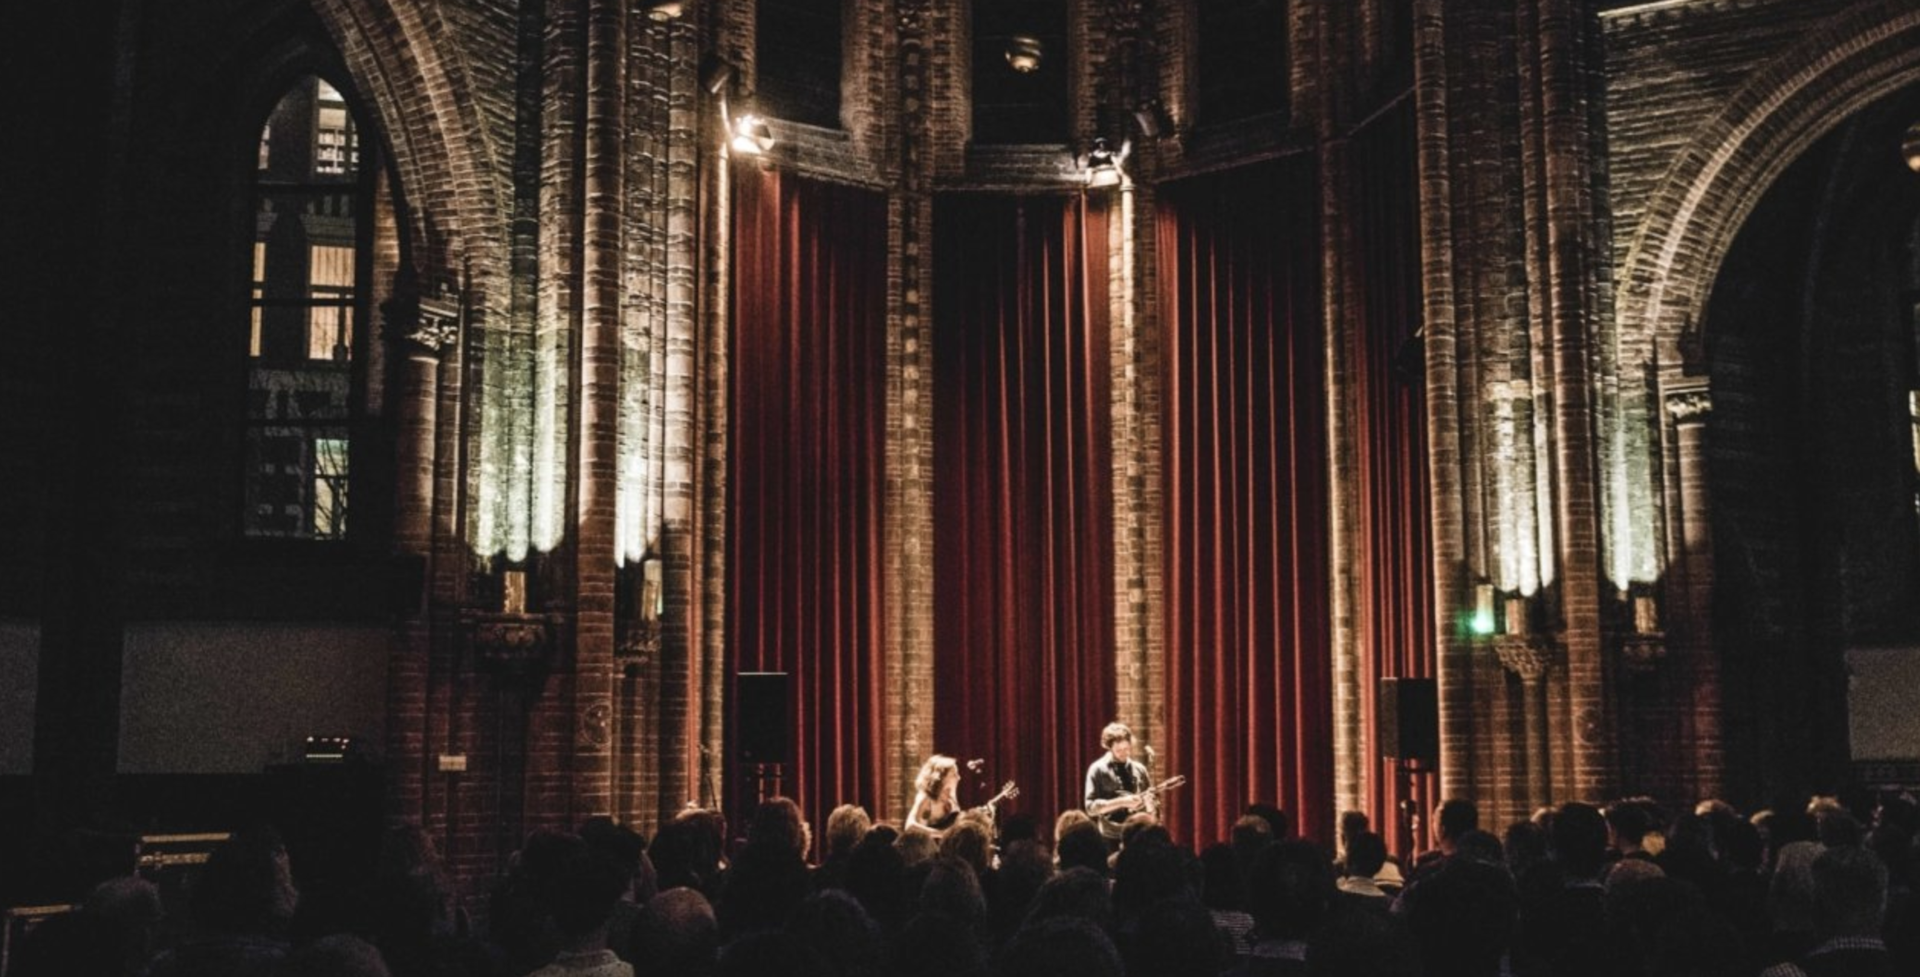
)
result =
(1407, 720)
(760, 700)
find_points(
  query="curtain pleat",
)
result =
(1023, 500)
(1394, 626)
(805, 473)
(1248, 702)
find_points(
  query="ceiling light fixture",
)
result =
(1024, 52)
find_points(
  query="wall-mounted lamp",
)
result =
(638, 609)
(652, 591)
(751, 135)
(1517, 616)
(1482, 623)
(665, 10)
(1646, 614)
(513, 592)
(1024, 53)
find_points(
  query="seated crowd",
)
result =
(1576, 890)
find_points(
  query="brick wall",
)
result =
(1671, 70)
(558, 166)
(1698, 133)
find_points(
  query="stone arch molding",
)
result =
(407, 67)
(1858, 56)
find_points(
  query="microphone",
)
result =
(976, 764)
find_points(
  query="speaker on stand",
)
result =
(1407, 728)
(761, 729)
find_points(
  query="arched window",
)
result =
(309, 260)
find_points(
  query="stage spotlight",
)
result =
(715, 74)
(665, 10)
(1024, 52)
(1148, 119)
(1910, 147)
(1102, 165)
(751, 135)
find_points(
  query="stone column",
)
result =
(1344, 324)
(598, 415)
(1531, 658)
(1689, 589)
(909, 449)
(1445, 474)
(428, 334)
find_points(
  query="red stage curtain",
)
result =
(805, 472)
(1023, 518)
(1249, 691)
(1394, 615)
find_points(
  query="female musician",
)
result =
(936, 806)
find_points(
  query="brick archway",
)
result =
(1859, 56)
(458, 196)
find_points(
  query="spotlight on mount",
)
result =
(751, 135)
(1024, 52)
(665, 10)
(715, 74)
(1149, 118)
(1102, 165)
(1910, 147)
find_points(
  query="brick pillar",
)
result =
(416, 412)
(1513, 292)
(452, 711)
(1571, 268)
(1138, 484)
(693, 683)
(1342, 314)
(1445, 481)
(1127, 40)
(597, 477)
(1689, 590)
(908, 713)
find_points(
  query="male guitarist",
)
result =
(1115, 782)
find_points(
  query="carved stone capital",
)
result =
(637, 641)
(1689, 405)
(433, 336)
(511, 645)
(438, 325)
(1642, 652)
(912, 15)
(1524, 655)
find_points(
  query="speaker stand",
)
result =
(766, 779)
(1405, 769)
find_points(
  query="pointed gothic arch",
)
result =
(1863, 54)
